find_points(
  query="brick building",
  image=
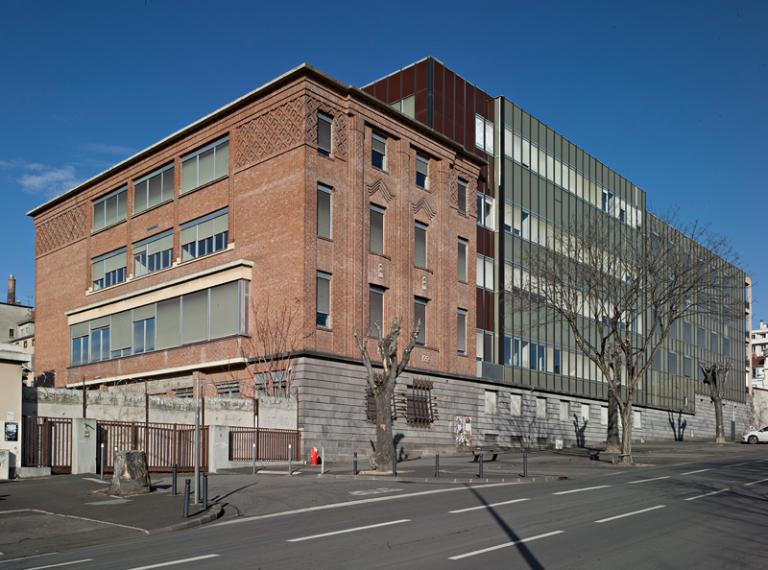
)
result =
(350, 207)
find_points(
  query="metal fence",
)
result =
(47, 442)
(164, 444)
(270, 444)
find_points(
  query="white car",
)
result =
(756, 436)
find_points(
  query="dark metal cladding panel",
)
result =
(480, 316)
(394, 88)
(438, 100)
(421, 76)
(484, 241)
(408, 81)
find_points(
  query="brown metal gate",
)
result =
(47, 442)
(266, 444)
(164, 444)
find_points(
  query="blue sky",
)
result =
(674, 95)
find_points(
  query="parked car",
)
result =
(756, 436)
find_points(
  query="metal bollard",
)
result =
(322, 461)
(289, 460)
(174, 487)
(354, 463)
(186, 498)
(437, 465)
(394, 467)
(253, 464)
(480, 466)
(525, 463)
(205, 491)
(102, 461)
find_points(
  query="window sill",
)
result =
(322, 328)
(201, 187)
(155, 207)
(330, 240)
(105, 228)
(382, 255)
(423, 269)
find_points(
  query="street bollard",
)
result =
(394, 467)
(174, 486)
(102, 461)
(205, 491)
(186, 498)
(525, 463)
(322, 461)
(480, 466)
(354, 463)
(289, 460)
(437, 465)
(253, 462)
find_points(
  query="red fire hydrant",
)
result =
(313, 456)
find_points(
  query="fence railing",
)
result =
(164, 444)
(271, 444)
(47, 442)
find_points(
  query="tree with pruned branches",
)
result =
(381, 383)
(715, 376)
(620, 289)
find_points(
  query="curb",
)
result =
(214, 513)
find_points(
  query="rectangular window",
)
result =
(534, 356)
(557, 366)
(418, 403)
(687, 332)
(324, 205)
(324, 123)
(144, 335)
(491, 402)
(486, 207)
(484, 272)
(108, 269)
(194, 325)
(603, 415)
(80, 348)
(205, 165)
(564, 410)
(461, 331)
(516, 404)
(607, 204)
(100, 341)
(541, 408)
(584, 412)
(323, 300)
(153, 254)
(420, 319)
(375, 310)
(671, 362)
(153, 189)
(637, 419)
(377, 230)
(379, 151)
(461, 260)
(422, 171)
(110, 209)
(484, 134)
(461, 196)
(204, 236)
(687, 367)
(420, 245)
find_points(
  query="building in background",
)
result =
(17, 324)
(759, 353)
(412, 197)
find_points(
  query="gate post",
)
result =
(83, 446)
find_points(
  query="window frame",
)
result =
(461, 195)
(144, 244)
(421, 339)
(420, 227)
(223, 241)
(462, 270)
(146, 178)
(378, 137)
(324, 190)
(376, 210)
(461, 325)
(102, 200)
(324, 118)
(375, 290)
(121, 273)
(326, 320)
(422, 158)
(195, 154)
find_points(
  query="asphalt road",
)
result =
(703, 514)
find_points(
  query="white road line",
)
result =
(649, 480)
(755, 482)
(569, 491)
(347, 530)
(60, 564)
(697, 471)
(94, 480)
(175, 562)
(487, 506)
(738, 464)
(706, 495)
(358, 502)
(630, 514)
(505, 545)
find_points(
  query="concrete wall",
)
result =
(332, 414)
(759, 407)
(124, 406)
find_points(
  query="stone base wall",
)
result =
(332, 413)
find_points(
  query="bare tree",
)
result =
(620, 289)
(270, 350)
(381, 383)
(715, 376)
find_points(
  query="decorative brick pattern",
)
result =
(339, 130)
(453, 188)
(424, 205)
(269, 134)
(379, 187)
(62, 229)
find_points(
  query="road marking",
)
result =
(379, 491)
(487, 506)
(630, 514)
(40, 511)
(568, 492)
(174, 562)
(506, 545)
(755, 482)
(358, 502)
(94, 480)
(347, 530)
(60, 564)
(697, 471)
(706, 495)
(109, 502)
(649, 480)
(738, 464)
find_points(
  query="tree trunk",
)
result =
(384, 451)
(612, 443)
(626, 436)
(719, 427)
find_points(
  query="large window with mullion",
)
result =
(79, 335)
(144, 329)
(153, 189)
(205, 165)
(108, 269)
(110, 209)
(153, 254)
(205, 235)
(100, 334)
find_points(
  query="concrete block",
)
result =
(83, 446)
(33, 472)
(5, 464)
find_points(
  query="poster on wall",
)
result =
(11, 431)
(462, 429)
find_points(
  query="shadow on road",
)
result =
(524, 551)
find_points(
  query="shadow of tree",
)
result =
(678, 425)
(580, 430)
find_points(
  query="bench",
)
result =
(482, 450)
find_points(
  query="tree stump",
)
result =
(131, 476)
